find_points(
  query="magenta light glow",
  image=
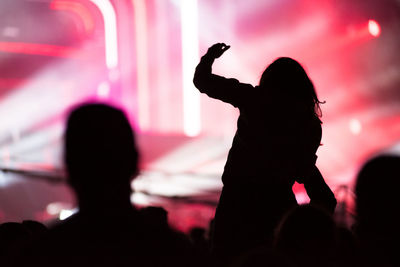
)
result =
(151, 49)
(37, 49)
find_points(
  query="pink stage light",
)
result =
(110, 31)
(77, 8)
(140, 18)
(37, 49)
(190, 58)
(374, 28)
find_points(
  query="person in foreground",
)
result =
(101, 159)
(278, 134)
(377, 203)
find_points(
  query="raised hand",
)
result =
(217, 50)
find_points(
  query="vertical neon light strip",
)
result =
(190, 57)
(139, 9)
(110, 31)
(165, 104)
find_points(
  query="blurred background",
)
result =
(140, 55)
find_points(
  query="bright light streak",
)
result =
(191, 155)
(110, 31)
(159, 184)
(43, 105)
(374, 28)
(37, 49)
(139, 8)
(190, 57)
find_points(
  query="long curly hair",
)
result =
(286, 79)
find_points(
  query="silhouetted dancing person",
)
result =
(101, 159)
(278, 134)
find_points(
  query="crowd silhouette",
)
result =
(258, 221)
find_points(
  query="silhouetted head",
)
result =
(100, 151)
(37, 229)
(285, 81)
(377, 196)
(306, 230)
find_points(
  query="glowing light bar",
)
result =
(37, 49)
(190, 57)
(374, 28)
(139, 8)
(110, 31)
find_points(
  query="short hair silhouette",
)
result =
(101, 158)
(377, 205)
(307, 235)
(303, 226)
(100, 150)
(35, 228)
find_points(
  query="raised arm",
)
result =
(227, 90)
(319, 192)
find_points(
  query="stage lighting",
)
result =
(64, 214)
(374, 28)
(355, 126)
(190, 58)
